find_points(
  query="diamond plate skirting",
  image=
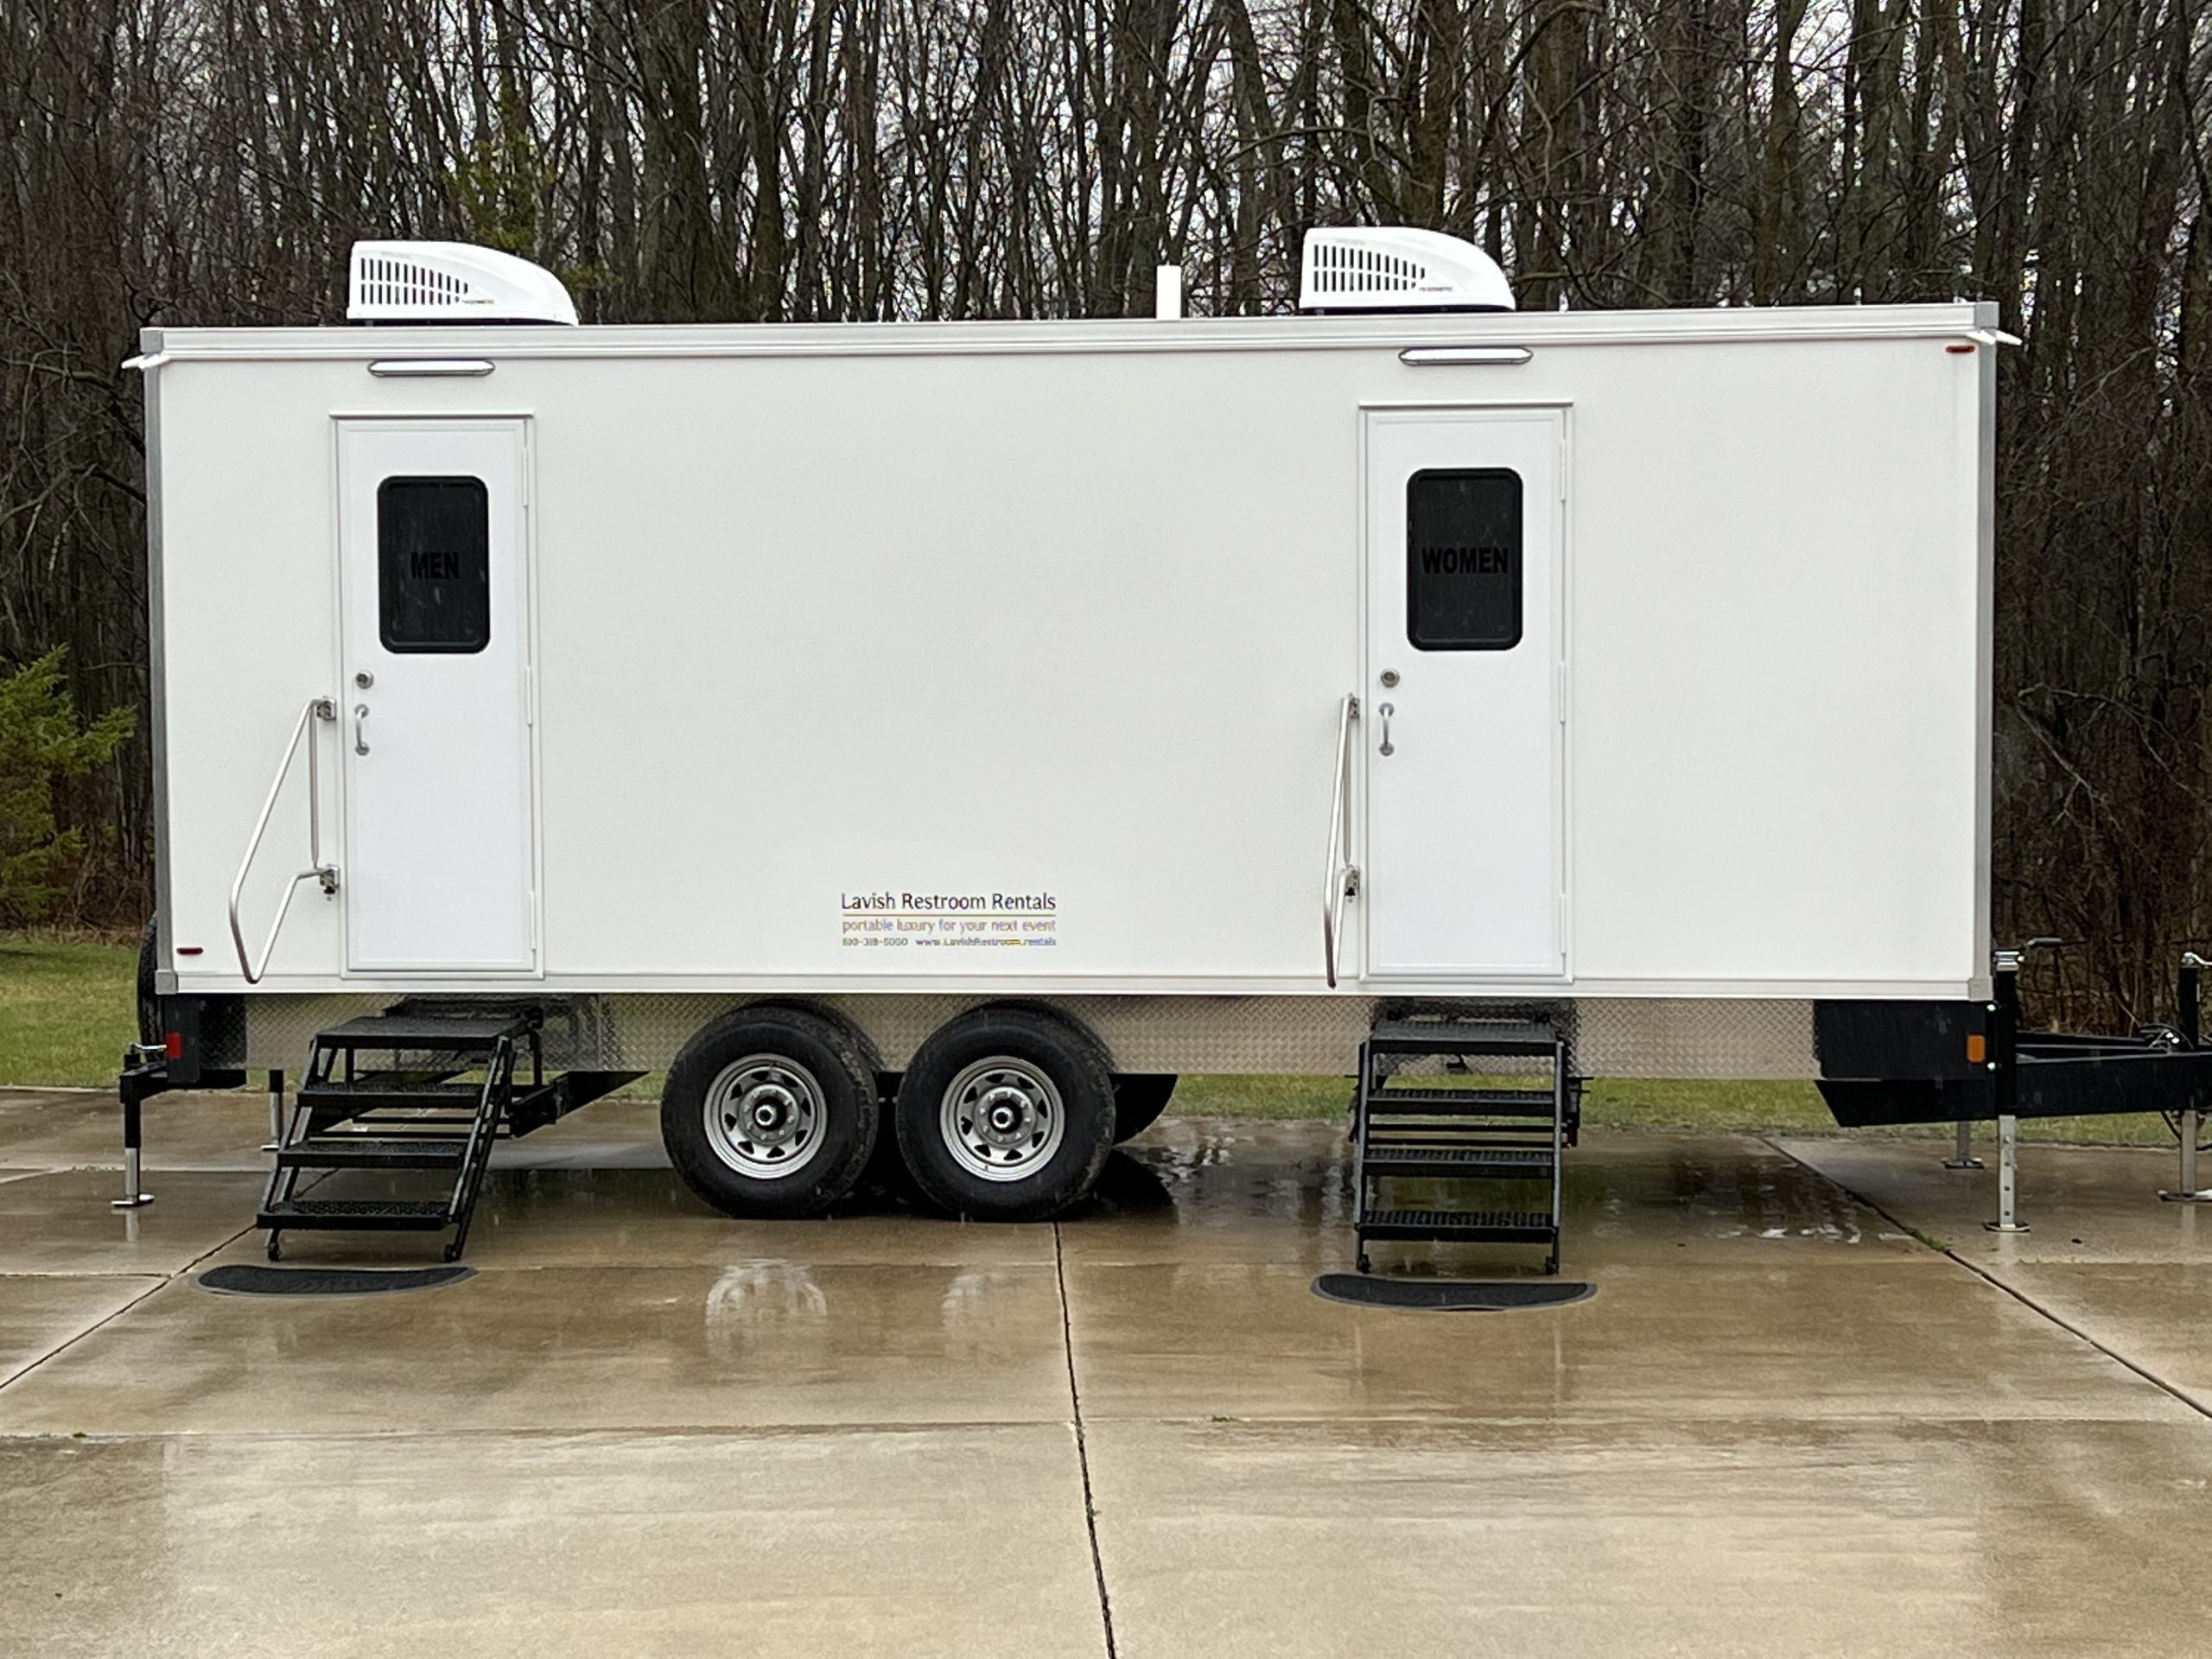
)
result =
(1634, 1037)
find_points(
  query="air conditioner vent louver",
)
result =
(1398, 269)
(396, 282)
(1341, 270)
(450, 282)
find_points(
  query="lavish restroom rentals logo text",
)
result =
(887, 919)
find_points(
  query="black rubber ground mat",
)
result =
(244, 1279)
(1464, 1295)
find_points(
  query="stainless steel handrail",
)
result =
(317, 709)
(1343, 877)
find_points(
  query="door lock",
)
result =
(365, 679)
(1387, 709)
(360, 736)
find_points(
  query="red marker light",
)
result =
(172, 1045)
(187, 949)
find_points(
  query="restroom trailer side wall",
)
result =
(815, 616)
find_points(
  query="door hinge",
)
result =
(529, 695)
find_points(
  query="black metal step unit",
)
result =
(414, 1090)
(1494, 1129)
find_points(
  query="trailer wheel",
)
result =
(149, 1005)
(771, 1112)
(1139, 1099)
(1006, 1114)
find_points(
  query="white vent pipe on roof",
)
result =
(1167, 292)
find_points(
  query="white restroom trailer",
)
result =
(1200, 688)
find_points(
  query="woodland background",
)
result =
(207, 161)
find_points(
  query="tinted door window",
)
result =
(434, 564)
(1462, 559)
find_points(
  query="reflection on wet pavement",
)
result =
(572, 1348)
(1282, 1191)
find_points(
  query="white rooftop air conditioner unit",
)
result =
(450, 282)
(1395, 268)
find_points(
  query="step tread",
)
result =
(369, 1152)
(426, 1214)
(1435, 1102)
(408, 1128)
(1460, 1161)
(1533, 1226)
(427, 1094)
(1463, 1037)
(460, 1101)
(421, 1031)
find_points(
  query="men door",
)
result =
(1463, 873)
(434, 708)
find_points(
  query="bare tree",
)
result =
(207, 161)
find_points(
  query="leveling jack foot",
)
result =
(2203, 1195)
(132, 1198)
(2007, 1227)
(1964, 1158)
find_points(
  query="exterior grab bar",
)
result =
(1343, 877)
(317, 709)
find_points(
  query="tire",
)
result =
(149, 1005)
(808, 1078)
(1050, 1080)
(1139, 1099)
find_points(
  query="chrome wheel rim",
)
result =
(765, 1116)
(1001, 1119)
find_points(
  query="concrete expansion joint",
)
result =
(153, 1285)
(2072, 1329)
(461, 1434)
(1082, 1446)
(2170, 1390)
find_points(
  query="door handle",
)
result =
(1342, 879)
(1386, 710)
(360, 737)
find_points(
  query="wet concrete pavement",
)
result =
(1785, 1425)
(2100, 1255)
